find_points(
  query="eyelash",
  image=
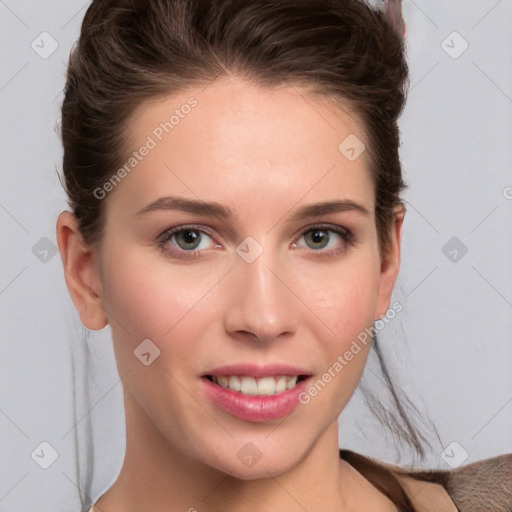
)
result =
(347, 236)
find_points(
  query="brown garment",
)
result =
(482, 486)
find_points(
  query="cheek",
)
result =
(343, 297)
(163, 302)
(346, 305)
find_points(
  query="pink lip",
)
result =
(251, 407)
(258, 371)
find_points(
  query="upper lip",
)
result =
(254, 370)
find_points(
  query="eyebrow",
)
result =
(213, 209)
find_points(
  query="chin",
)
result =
(245, 461)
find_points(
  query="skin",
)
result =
(263, 153)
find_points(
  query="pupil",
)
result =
(190, 237)
(318, 236)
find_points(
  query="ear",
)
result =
(390, 264)
(81, 272)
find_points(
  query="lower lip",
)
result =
(252, 407)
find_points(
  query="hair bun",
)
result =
(393, 9)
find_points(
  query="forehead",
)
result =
(241, 144)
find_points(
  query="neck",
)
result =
(158, 476)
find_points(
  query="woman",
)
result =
(233, 173)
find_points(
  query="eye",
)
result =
(188, 239)
(328, 240)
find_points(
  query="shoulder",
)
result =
(427, 496)
(481, 486)
(397, 483)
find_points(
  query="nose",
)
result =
(261, 303)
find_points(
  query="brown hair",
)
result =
(131, 51)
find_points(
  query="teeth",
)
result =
(249, 386)
(290, 383)
(281, 384)
(262, 387)
(222, 381)
(267, 386)
(234, 383)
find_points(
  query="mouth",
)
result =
(253, 386)
(269, 396)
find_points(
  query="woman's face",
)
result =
(265, 284)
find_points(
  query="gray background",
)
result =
(449, 348)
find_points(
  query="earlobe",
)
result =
(390, 265)
(80, 272)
